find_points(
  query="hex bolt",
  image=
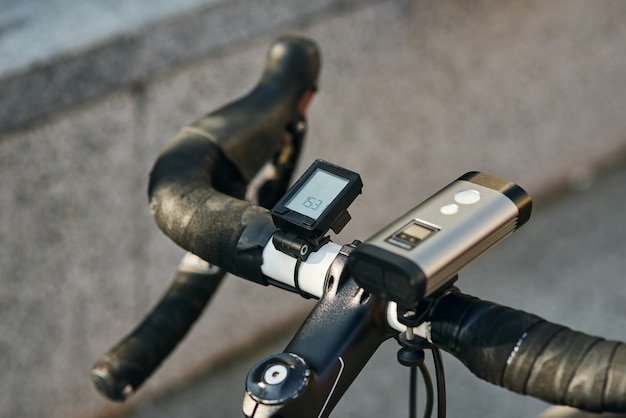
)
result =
(275, 374)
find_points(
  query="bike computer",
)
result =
(317, 202)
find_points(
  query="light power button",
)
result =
(467, 197)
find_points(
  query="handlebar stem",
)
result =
(335, 342)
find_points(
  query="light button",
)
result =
(467, 197)
(450, 209)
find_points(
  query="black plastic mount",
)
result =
(295, 246)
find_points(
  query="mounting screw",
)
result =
(275, 374)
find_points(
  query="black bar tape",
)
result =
(251, 129)
(528, 355)
(196, 193)
(190, 209)
(198, 182)
(121, 371)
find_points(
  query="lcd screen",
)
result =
(317, 194)
(417, 232)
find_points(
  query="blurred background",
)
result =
(412, 94)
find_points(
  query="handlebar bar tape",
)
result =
(121, 371)
(531, 356)
(251, 129)
(199, 179)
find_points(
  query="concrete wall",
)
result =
(412, 94)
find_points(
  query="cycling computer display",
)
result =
(316, 194)
(318, 201)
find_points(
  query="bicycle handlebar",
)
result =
(120, 372)
(198, 182)
(531, 356)
(196, 195)
(196, 191)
